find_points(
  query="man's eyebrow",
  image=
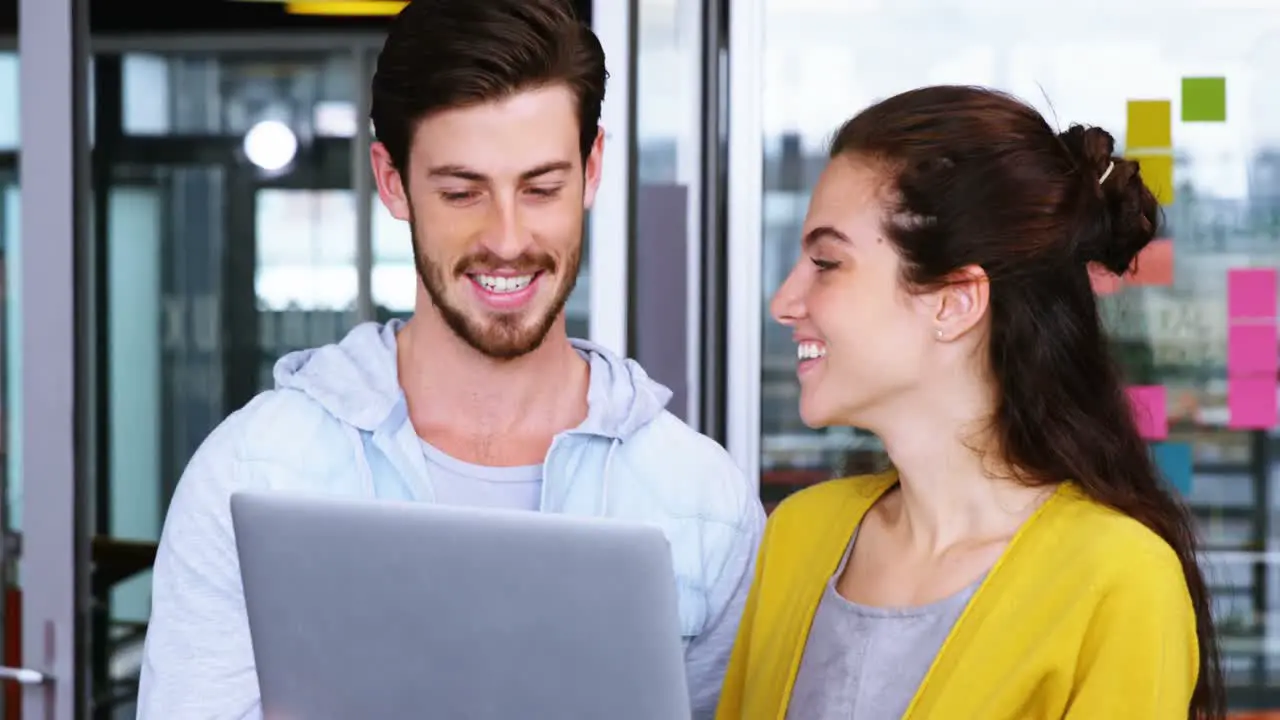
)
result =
(546, 169)
(456, 171)
(824, 232)
(461, 172)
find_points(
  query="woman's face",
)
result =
(864, 343)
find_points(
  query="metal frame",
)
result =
(689, 172)
(223, 43)
(745, 233)
(96, 338)
(362, 183)
(8, 540)
(54, 171)
(610, 219)
(711, 299)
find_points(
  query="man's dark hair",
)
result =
(445, 54)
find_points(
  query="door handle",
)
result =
(24, 676)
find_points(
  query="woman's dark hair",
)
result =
(976, 177)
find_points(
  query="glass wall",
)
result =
(229, 227)
(223, 183)
(668, 200)
(10, 387)
(668, 89)
(228, 187)
(826, 59)
(10, 360)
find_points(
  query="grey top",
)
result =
(462, 483)
(866, 663)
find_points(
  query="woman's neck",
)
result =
(953, 486)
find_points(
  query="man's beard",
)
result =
(501, 336)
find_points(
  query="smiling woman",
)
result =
(809, 64)
(942, 300)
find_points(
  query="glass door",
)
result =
(223, 182)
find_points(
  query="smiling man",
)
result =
(488, 146)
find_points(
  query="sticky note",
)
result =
(1154, 265)
(1104, 281)
(1157, 173)
(1251, 293)
(1204, 99)
(1149, 411)
(1251, 351)
(1150, 125)
(1251, 403)
(1174, 461)
(1185, 405)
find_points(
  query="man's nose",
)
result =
(507, 237)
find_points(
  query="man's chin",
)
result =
(507, 335)
(497, 332)
(501, 346)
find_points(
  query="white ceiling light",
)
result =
(270, 145)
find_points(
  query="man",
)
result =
(486, 116)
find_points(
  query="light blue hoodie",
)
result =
(337, 423)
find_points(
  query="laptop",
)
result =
(389, 609)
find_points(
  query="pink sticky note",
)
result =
(1252, 403)
(1104, 281)
(1251, 351)
(1149, 411)
(1251, 293)
(1154, 265)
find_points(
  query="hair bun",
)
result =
(1127, 217)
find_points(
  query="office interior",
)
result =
(185, 196)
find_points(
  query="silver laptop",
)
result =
(378, 609)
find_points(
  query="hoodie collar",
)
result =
(357, 382)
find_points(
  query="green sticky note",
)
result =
(1204, 99)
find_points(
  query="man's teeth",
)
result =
(810, 350)
(504, 283)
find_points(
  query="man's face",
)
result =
(495, 196)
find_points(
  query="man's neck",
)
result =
(459, 398)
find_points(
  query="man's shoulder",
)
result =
(689, 469)
(276, 426)
(669, 441)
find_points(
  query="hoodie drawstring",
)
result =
(604, 482)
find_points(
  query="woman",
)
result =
(1022, 560)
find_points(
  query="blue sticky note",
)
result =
(1173, 460)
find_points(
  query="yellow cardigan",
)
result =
(1086, 616)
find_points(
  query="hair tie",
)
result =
(1110, 166)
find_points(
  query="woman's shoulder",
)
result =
(1111, 546)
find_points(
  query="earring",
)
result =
(938, 333)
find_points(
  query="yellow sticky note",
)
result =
(1157, 173)
(1150, 124)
